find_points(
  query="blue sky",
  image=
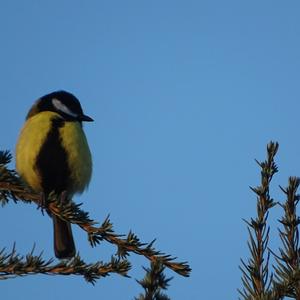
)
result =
(185, 95)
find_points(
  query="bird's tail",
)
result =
(64, 246)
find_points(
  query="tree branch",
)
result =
(255, 273)
(154, 282)
(13, 265)
(12, 187)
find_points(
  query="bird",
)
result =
(53, 155)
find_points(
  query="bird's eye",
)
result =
(63, 108)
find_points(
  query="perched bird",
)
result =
(52, 155)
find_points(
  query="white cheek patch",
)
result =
(61, 107)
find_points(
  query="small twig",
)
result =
(255, 273)
(154, 282)
(13, 265)
(288, 262)
(11, 187)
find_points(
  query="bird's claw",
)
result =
(42, 203)
(63, 198)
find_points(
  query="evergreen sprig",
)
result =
(131, 243)
(287, 270)
(154, 283)
(13, 265)
(285, 282)
(12, 188)
(11, 185)
(255, 272)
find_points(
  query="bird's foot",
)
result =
(42, 203)
(63, 198)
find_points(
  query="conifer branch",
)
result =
(287, 277)
(11, 187)
(255, 272)
(154, 283)
(14, 265)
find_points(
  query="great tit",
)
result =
(52, 155)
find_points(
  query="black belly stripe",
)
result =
(52, 162)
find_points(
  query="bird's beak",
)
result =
(85, 118)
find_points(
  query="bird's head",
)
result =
(61, 102)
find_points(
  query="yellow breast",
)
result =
(79, 156)
(73, 140)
